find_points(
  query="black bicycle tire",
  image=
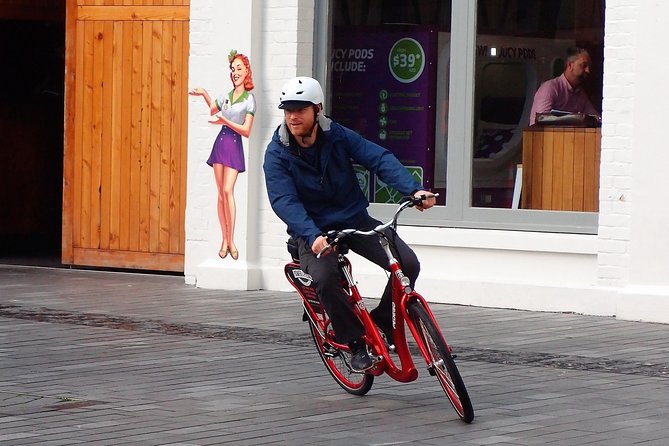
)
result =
(421, 318)
(366, 379)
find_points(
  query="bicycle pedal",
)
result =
(330, 352)
(431, 371)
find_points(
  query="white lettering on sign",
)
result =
(351, 59)
(506, 52)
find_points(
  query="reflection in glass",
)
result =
(520, 45)
(389, 79)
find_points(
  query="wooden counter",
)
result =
(561, 168)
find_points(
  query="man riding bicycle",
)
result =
(312, 187)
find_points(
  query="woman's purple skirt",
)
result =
(228, 150)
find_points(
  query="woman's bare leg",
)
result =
(229, 179)
(219, 174)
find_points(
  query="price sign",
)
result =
(406, 60)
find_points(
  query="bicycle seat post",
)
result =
(404, 280)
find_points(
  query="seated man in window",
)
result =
(565, 92)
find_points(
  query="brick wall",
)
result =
(288, 36)
(278, 38)
(617, 142)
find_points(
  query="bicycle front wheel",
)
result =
(440, 361)
(337, 362)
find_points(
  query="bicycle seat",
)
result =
(291, 245)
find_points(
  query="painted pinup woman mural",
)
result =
(234, 110)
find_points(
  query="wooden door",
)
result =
(124, 188)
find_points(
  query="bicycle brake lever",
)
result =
(417, 201)
(322, 251)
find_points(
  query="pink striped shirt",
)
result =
(558, 94)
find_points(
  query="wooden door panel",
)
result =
(561, 168)
(125, 144)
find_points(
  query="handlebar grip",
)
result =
(415, 201)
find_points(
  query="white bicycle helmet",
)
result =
(300, 92)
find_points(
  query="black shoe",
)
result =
(360, 359)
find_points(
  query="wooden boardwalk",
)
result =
(89, 357)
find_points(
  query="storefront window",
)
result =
(448, 87)
(519, 45)
(389, 82)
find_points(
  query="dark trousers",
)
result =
(327, 279)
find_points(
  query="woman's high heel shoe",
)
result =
(223, 253)
(234, 254)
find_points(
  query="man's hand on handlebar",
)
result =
(321, 247)
(325, 244)
(429, 200)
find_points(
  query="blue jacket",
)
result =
(310, 200)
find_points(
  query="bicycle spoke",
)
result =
(338, 364)
(440, 362)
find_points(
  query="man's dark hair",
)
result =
(574, 53)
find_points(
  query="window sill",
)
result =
(500, 240)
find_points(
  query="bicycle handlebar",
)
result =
(335, 236)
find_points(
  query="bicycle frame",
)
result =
(408, 308)
(402, 295)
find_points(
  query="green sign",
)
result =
(406, 60)
(362, 175)
(386, 194)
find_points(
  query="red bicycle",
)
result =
(409, 308)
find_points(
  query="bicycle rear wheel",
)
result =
(441, 362)
(337, 362)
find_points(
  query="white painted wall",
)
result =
(277, 38)
(214, 32)
(649, 250)
(621, 272)
(634, 252)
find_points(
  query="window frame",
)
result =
(458, 213)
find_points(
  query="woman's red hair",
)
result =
(248, 82)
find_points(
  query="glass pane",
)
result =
(520, 45)
(389, 82)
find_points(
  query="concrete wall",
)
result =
(621, 271)
(277, 38)
(633, 240)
